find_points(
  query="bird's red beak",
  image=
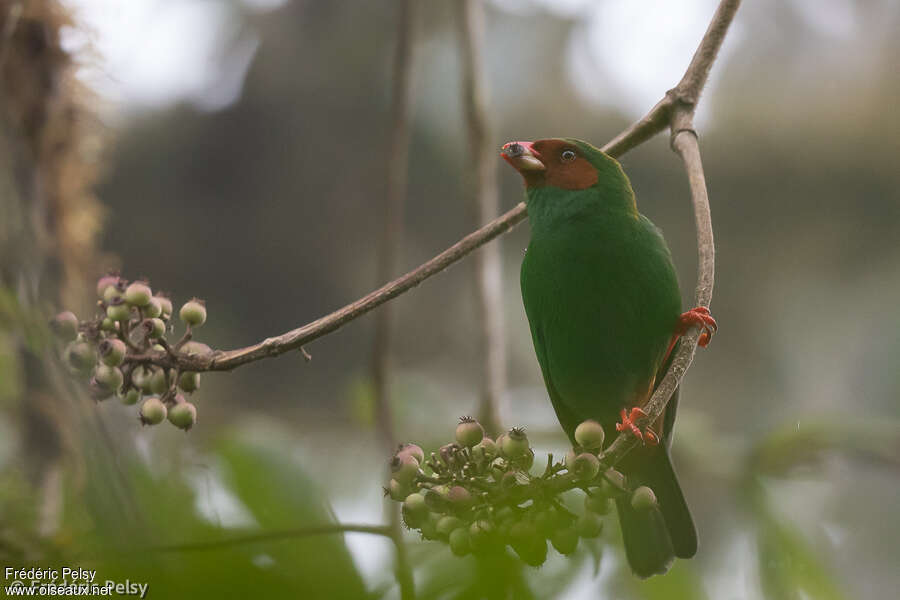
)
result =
(522, 156)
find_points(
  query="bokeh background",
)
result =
(238, 151)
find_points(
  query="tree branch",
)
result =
(484, 206)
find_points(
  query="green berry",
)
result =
(413, 450)
(459, 541)
(565, 540)
(193, 313)
(138, 294)
(108, 280)
(469, 432)
(397, 491)
(118, 310)
(65, 326)
(528, 543)
(438, 498)
(107, 324)
(447, 524)
(154, 328)
(481, 534)
(584, 466)
(81, 357)
(189, 381)
(183, 415)
(429, 527)
(589, 435)
(415, 511)
(486, 449)
(131, 397)
(597, 504)
(111, 351)
(589, 525)
(114, 291)
(404, 468)
(159, 382)
(612, 484)
(108, 377)
(153, 411)
(546, 521)
(515, 444)
(643, 498)
(141, 377)
(153, 309)
(459, 496)
(526, 460)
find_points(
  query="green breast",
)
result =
(602, 301)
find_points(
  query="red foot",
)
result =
(648, 436)
(696, 316)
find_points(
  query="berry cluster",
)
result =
(479, 495)
(119, 349)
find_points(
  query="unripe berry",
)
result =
(141, 377)
(415, 511)
(81, 357)
(154, 328)
(118, 310)
(526, 460)
(153, 309)
(108, 377)
(459, 497)
(114, 291)
(429, 527)
(404, 468)
(546, 521)
(189, 381)
(613, 483)
(528, 544)
(447, 524)
(397, 491)
(111, 351)
(165, 304)
(159, 382)
(107, 324)
(193, 313)
(480, 534)
(153, 411)
(65, 326)
(459, 541)
(515, 444)
(183, 415)
(589, 525)
(108, 280)
(486, 449)
(131, 397)
(597, 504)
(469, 432)
(138, 294)
(411, 449)
(584, 466)
(590, 435)
(643, 498)
(565, 540)
(98, 391)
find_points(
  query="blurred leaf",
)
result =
(682, 582)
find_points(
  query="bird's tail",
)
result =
(654, 537)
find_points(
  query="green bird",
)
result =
(604, 307)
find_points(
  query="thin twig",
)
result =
(272, 536)
(484, 206)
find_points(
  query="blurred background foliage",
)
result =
(258, 187)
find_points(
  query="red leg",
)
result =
(648, 436)
(696, 316)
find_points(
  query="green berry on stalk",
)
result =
(154, 328)
(584, 466)
(459, 496)
(429, 527)
(480, 534)
(643, 498)
(189, 381)
(469, 432)
(141, 377)
(546, 521)
(526, 460)
(589, 435)
(111, 351)
(447, 524)
(108, 377)
(528, 543)
(486, 449)
(415, 511)
(153, 411)
(515, 444)
(65, 326)
(193, 313)
(459, 541)
(438, 498)
(183, 415)
(138, 294)
(411, 449)
(613, 483)
(153, 308)
(565, 540)
(81, 357)
(159, 382)
(108, 280)
(404, 468)
(165, 305)
(107, 324)
(118, 310)
(397, 491)
(597, 504)
(131, 397)
(114, 292)
(589, 525)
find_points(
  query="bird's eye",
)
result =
(567, 155)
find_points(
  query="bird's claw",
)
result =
(629, 423)
(698, 316)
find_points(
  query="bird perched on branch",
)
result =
(603, 303)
